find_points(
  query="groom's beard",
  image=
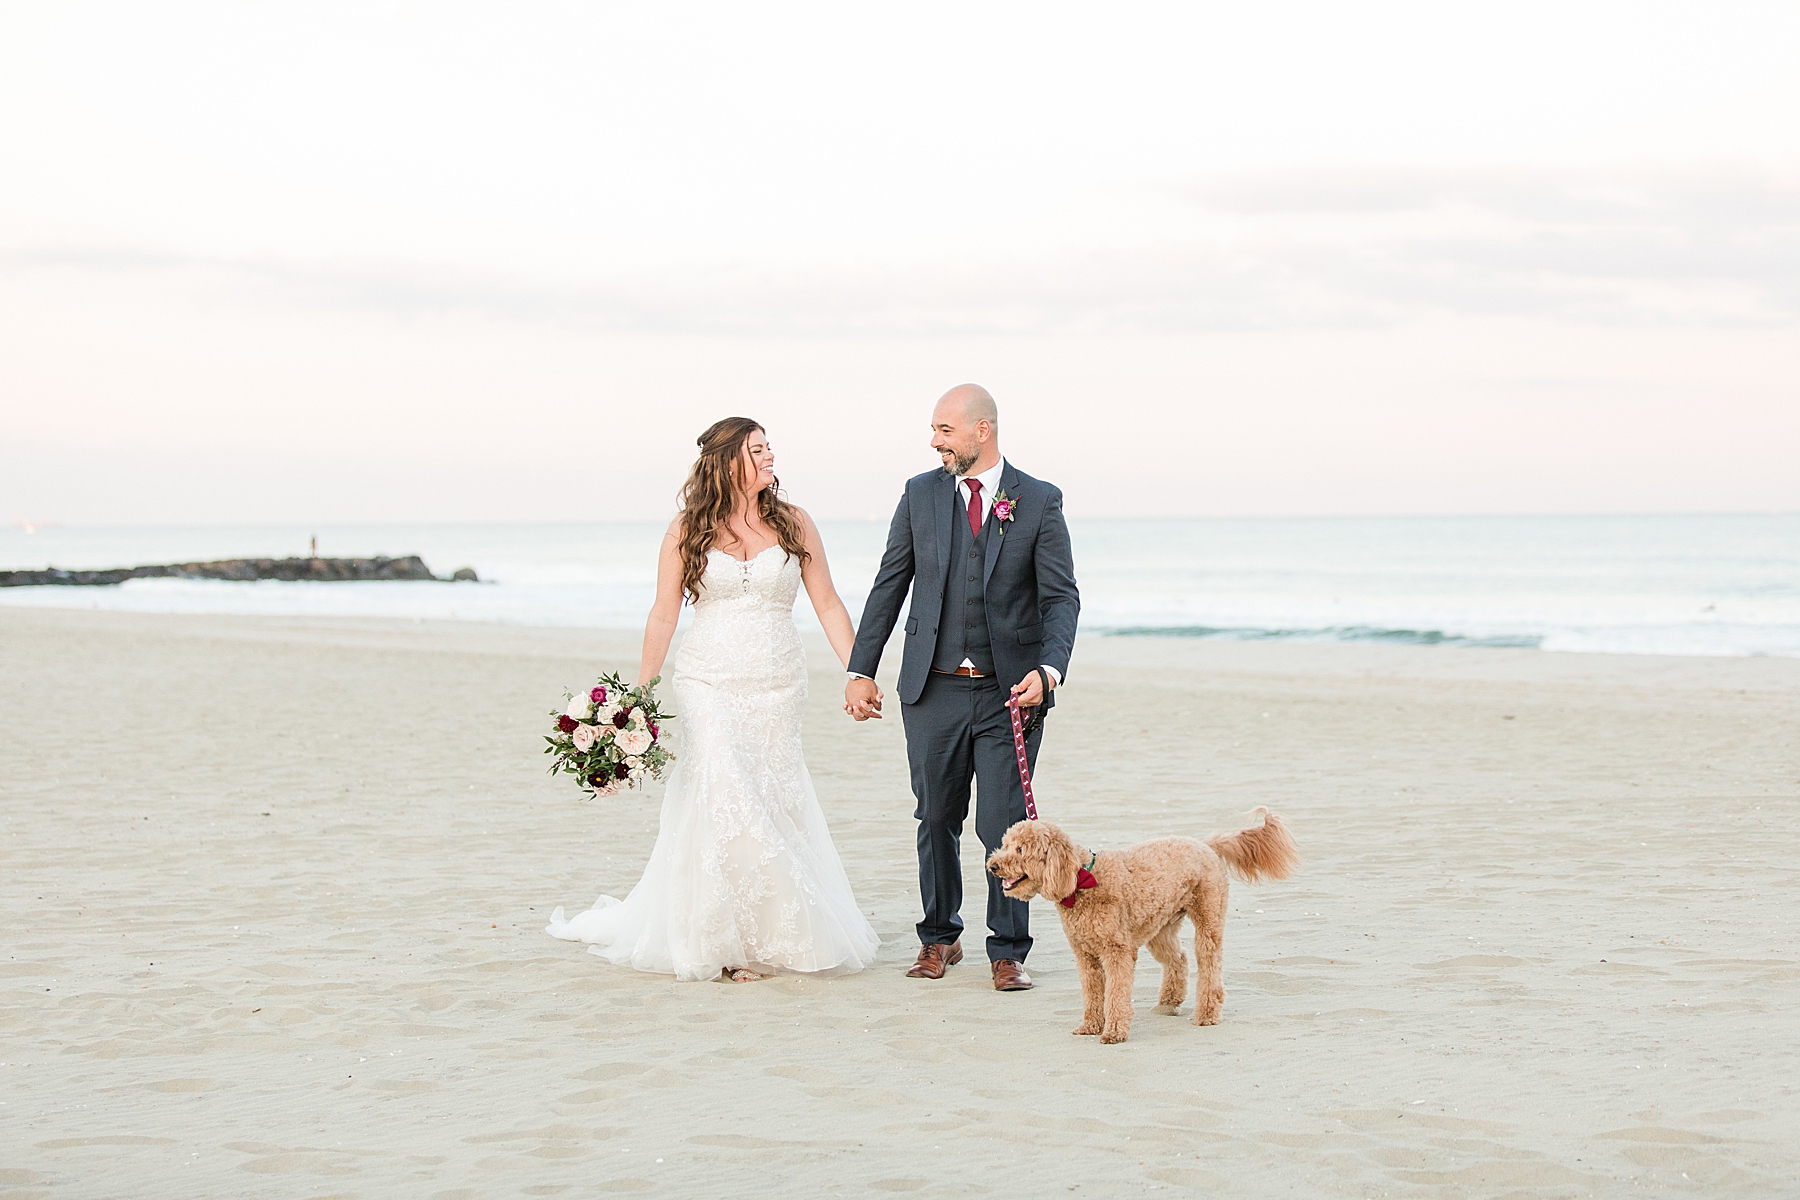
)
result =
(960, 464)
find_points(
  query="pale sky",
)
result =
(413, 262)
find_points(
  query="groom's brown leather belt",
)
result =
(971, 672)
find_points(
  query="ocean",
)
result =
(1707, 585)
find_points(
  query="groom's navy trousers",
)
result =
(960, 730)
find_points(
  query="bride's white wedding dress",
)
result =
(744, 873)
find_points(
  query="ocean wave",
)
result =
(1335, 633)
(1703, 639)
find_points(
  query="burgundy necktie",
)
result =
(974, 507)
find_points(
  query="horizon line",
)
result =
(31, 526)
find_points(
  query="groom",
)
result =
(986, 552)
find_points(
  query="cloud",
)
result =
(1336, 249)
(1534, 194)
(1694, 246)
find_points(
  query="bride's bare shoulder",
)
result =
(671, 542)
(809, 530)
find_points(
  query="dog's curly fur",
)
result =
(1140, 897)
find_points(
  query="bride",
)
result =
(744, 880)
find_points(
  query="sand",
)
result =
(274, 893)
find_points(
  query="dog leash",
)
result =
(1084, 876)
(1018, 724)
(1012, 704)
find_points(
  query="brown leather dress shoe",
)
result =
(935, 959)
(1010, 976)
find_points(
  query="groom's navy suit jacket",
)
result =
(1028, 581)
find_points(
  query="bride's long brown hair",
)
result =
(710, 495)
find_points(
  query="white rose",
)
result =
(580, 706)
(606, 714)
(585, 736)
(638, 720)
(632, 741)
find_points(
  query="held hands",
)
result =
(862, 699)
(1030, 690)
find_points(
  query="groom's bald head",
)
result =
(965, 429)
(970, 401)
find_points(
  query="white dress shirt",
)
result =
(990, 486)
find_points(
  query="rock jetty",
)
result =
(322, 570)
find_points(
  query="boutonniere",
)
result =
(1004, 507)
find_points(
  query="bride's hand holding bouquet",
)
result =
(610, 736)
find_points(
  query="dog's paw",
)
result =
(1206, 1018)
(1113, 1037)
(1168, 1010)
(1085, 1029)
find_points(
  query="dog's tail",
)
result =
(1265, 851)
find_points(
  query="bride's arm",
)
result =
(659, 630)
(825, 601)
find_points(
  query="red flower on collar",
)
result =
(1084, 878)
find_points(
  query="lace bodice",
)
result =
(765, 579)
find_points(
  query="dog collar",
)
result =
(1084, 878)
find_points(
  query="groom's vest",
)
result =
(963, 628)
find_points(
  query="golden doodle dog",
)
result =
(1114, 901)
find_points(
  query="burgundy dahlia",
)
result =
(621, 771)
(622, 718)
(566, 723)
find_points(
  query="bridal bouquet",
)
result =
(610, 736)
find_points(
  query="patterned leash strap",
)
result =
(1018, 724)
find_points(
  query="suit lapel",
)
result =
(1009, 484)
(946, 510)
